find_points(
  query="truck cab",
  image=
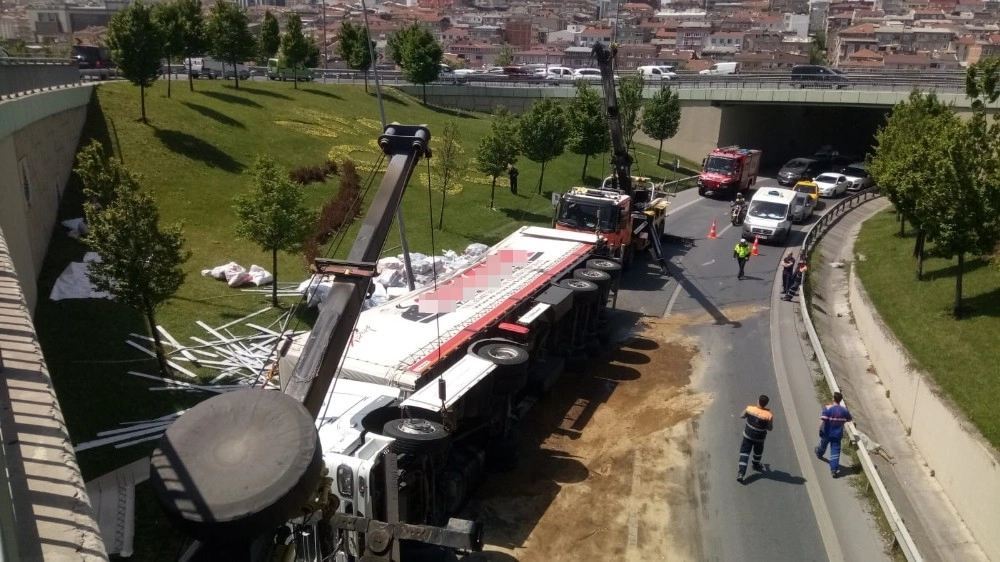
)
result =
(728, 171)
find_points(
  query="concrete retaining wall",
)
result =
(963, 463)
(38, 139)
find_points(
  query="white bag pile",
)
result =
(235, 276)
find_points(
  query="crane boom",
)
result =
(621, 161)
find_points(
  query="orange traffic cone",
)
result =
(753, 250)
(711, 232)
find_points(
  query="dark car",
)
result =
(801, 169)
(807, 75)
(93, 61)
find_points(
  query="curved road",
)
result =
(794, 510)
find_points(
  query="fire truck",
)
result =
(626, 211)
(729, 170)
(388, 417)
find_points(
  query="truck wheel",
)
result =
(596, 276)
(612, 267)
(511, 374)
(417, 436)
(586, 290)
(701, 191)
(375, 420)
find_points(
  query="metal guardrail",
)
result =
(901, 535)
(673, 187)
(21, 76)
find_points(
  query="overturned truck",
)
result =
(388, 418)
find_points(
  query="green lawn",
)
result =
(961, 355)
(191, 154)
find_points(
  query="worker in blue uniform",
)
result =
(831, 431)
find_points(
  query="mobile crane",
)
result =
(626, 211)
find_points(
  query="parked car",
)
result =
(721, 68)
(857, 174)
(802, 207)
(588, 74)
(94, 61)
(656, 73)
(831, 184)
(801, 169)
(806, 75)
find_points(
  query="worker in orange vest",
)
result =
(797, 277)
(759, 422)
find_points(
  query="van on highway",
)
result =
(771, 213)
(805, 75)
(277, 71)
(720, 68)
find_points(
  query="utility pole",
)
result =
(326, 54)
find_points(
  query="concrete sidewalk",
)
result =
(936, 527)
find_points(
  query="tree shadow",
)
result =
(388, 97)
(266, 93)
(983, 304)
(214, 115)
(523, 215)
(950, 271)
(322, 93)
(451, 112)
(197, 149)
(230, 98)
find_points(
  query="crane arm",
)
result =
(621, 161)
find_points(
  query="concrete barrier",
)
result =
(964, 464)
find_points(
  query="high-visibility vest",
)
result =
(742, 250)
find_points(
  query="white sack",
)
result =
(76, 228)
(260, 276)
(476, 250)
(390, 263)
(219, 272)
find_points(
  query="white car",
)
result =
(559, 73)
(832, 185)
(588, 74)
(858, 176)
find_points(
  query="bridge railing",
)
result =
(19, 76)
(901, 535)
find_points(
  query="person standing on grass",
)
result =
(759, 422)
(741, 253)
(787, 272)
(831, 431)
(512, 174)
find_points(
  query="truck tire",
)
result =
(375, 420)
(595, 276)
(511, 374)
(417, 436)
(583, 289)
(612, 267)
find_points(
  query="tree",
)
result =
(422, 58)
(272, 214)
(447, 160)
(498, 150)
(230, 37)
(295, 49)
(136, 47)
(193, 23)
(542, 133)
(630, 105)
(662, 117)
(505, 55)
(167, 18)
(588, 129)
(140, 263)
(270, 37)
(397, 43)
(99, 174)
(356, 48)
(817, 48)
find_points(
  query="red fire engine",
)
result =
(729, 170)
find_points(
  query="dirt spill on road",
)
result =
(604, 472)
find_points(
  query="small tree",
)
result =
(167, 18)
(295, 50)
(272, 214)
(136, 47)
(817, 48)
(421, 58)
(231, 40)
(355, 48)
(589, 134)
(505, 55)
(398, 42)
(140, 264)
(193, 24)
(270, 37)
(498, 149)
(447, 161)
(99, 174)
(662, 117)
(630, 105)
(543, 133)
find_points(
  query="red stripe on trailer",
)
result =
(473, 329)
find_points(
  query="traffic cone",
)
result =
(753, 250)
(711, 232)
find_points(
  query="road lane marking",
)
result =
(803, 450)
(708, 263)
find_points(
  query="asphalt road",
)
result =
(794, 510)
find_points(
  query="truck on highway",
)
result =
(387, 418)
(276, 70)
(728, 171)
(626, 211)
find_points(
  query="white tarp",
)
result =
(74, 283)
(76, 228)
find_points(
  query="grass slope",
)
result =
(960, 355)
(192, 154)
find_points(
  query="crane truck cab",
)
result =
(606, 212)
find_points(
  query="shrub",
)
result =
(336, 213)
(305, 175)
